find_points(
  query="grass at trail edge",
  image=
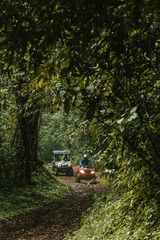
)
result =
(113, 219)
(45, 190)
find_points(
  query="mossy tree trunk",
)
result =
(26, 139)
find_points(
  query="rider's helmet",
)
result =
(85, 156)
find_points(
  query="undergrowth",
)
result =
(130, 211)
(111, 219)
(46, 189)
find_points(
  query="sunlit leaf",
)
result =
(120, 121)
(40, 83)
(133, 116)
(133, 110)
(53, 108)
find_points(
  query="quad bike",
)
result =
(85, 173)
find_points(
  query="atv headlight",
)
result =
(93, 172)
(81, 171)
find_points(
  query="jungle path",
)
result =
(56, 220)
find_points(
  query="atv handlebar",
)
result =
(86, 166)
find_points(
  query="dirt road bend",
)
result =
(56, 220)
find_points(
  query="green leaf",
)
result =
(120, 121)
(94, 131)
(134, 116)
(133, 110)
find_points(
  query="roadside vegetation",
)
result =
(124, 213)
(84, 76)
(45, 189)
(116, 217)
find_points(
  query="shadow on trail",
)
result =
(54, 221)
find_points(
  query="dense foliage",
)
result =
(99, 57)
(7, 130)
(115, 217)
(67, 131)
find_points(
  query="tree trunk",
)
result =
(26, 137)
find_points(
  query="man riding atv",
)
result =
(85, 161)
(85, 171)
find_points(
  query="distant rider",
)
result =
(65, 158)
(86, 161)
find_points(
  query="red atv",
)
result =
(85, 173)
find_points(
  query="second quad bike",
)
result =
(62, 162)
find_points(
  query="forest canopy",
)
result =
(98, 59)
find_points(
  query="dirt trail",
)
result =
(56, 220)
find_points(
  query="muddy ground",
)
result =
(56, 220)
